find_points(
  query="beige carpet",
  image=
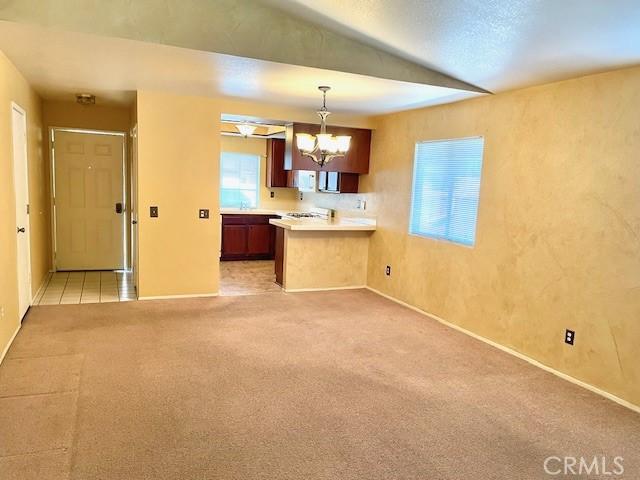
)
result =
(333, 385)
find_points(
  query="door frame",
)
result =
(52, 187)
(133, 203)
(22, 111)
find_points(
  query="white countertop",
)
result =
(343, 224)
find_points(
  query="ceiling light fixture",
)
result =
(245, 129)
(324, 147)
(85, 99)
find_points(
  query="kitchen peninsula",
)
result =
(320, 254)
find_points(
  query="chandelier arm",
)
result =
(311, 155)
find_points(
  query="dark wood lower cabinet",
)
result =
(234, 240)
(260, 241)
(279, 255)
(247, 237)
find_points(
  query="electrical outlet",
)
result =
(203, 213)
(569, 336)
(2, 313)
(301, 196)
(153, 212)
(272, 194)
(388, 271)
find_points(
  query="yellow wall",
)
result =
(558, 237)
(178, 160)
(285, 198)
(13, 87)
(178, 170)
(321, 259)
(94, 117)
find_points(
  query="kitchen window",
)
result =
(446, 189)
(239, 180)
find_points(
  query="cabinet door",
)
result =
(259, 240)
(279, 256)
(348, 182)
(234, 239)
(276, 174)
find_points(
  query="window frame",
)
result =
(257, 189)
(412, 204)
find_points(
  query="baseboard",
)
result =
(515, 353)
(169, 297)
(41, 288)
(297, 290)
(6, 349)
(43, 285)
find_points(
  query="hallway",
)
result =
(87, 287)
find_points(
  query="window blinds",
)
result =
(446, 189)
(239, 180)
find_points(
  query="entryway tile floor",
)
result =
(87, 287)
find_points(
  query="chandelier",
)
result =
(324, 147)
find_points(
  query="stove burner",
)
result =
(303, 215)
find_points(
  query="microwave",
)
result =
(306, 180)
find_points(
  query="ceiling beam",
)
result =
(244, 28)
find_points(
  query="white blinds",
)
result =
(446, 188)
(239, 180)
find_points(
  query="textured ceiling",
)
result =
(494, 44)
(379, 55)
(59, 64)
(242, 28)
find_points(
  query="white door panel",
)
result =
(21, 186)
(88, 185)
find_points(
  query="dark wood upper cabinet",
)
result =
(356, 160)
(277, 176)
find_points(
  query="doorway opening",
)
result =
(90, 201)
(250, 148)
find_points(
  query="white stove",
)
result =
(313, 214)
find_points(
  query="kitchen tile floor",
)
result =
(87, 287)
(248, 277)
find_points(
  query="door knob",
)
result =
(134, 222)
(21, 230)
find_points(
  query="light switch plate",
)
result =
(203, 213)
(153, 212)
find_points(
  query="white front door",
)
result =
(21, 185)
(89, 200)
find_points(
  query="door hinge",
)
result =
(28, 209)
